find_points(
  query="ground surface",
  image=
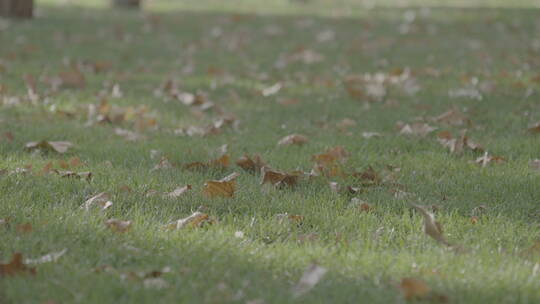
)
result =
(328, 72)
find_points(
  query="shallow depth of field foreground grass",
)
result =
(330, 73)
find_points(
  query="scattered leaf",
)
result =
(277, 178)
(100, 200)
(431, 226)
(117, 225)
(15, 266)
(24, 228)
(251, 164)
(486, 159)
(224, 187)
(311, 276)
(178, 191)
(55, 146)
(293, 139)
(535, 164)
(414, 288)
(48, 258)
(417, 128)
(535, 129)
(458, 144)
(196, 220)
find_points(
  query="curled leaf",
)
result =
(54, 146)
(431, 226)
(100, 200)
(197, 219)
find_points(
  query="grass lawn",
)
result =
(184, 78)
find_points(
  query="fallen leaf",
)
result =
(117, 225)
(128, 135)
(311, 276)
(224, 187)
(535, 164)
(368, 135)
(100, 200)
(196, 220)
(55, 146)
(414, 288)
(486, 159)
(251, 164)
(293, 139)
(16, 266)
(417, 128)
(535, 129)
(458, 144)
(219, 163)
(277, 178)
(78, 175)
(72, 79)
(163, 163)
(274, 89)
(155, 283)
(178, 191)
(24, 228)
(431, 226)
(48, 258)
(452, 117)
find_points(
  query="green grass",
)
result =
(366, 254)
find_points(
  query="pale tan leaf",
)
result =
(311, 276)
(117, 225)
(293, 139)
(100, 200)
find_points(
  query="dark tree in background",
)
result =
(17, 8)
(126, 3)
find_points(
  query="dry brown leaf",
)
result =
(24, 228)
(15, 266)
(178, 191)
(331, 162)
(277, 178)
(78, 175)
(219, 163)
(414, 288)
(72, 79)
(368, 177)
(100, 200)
(486, 159)
(431, 226)
(251, 164)
(293, 139)
(224, 187)
(535, 129)
(55, 146)
(458, 144)
(452, 117)
(311, 276)
(197, 219)
(117, 225)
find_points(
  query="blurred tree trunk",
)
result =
(17, 8)
(126, 3)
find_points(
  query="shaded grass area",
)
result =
(233, 57)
